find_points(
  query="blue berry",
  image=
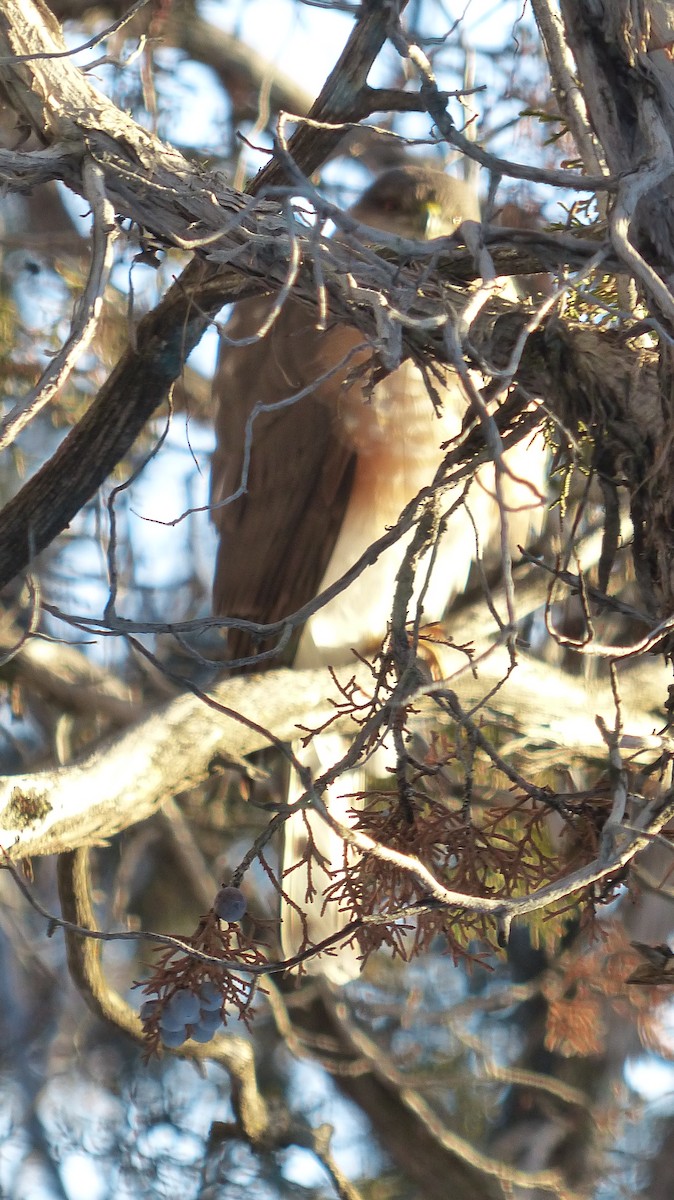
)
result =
(210, 1020)
(168, 1020)
(201, 1033)
(182, 1007)
(230, 904)
(172, 1038)
(210, 997)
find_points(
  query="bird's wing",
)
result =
(276, 538)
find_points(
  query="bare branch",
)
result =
(87, 310)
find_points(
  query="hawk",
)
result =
(301, 489)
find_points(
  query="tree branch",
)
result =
(127, 778)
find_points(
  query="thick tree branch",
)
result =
(565, 85)
(127, 778)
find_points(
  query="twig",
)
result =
(436, 107)
(87, 309)
(380, 1066)
(45, 55)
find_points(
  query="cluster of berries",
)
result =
(187, 1015)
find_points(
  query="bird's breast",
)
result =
(397, 437)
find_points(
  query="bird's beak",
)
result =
(431, 220)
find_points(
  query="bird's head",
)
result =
(417, 202)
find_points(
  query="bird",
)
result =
(299, 490)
